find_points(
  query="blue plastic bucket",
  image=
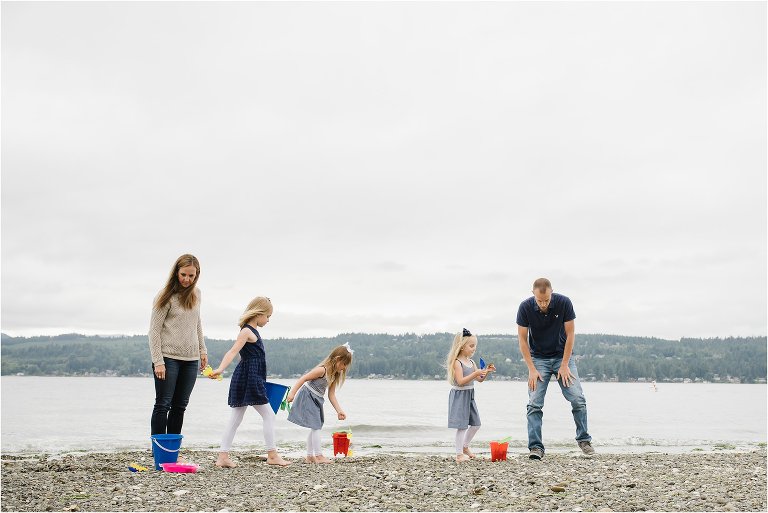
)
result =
(275, 394)
(165, 448)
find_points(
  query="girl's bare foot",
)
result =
(275, 459)
(322, 459)
(460, 458)
(469, 453)
(309, 459)
(223, 461)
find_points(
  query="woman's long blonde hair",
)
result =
(459, 341)
(339, 354)
(258, 305)
(187, 295)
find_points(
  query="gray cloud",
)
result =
(389, 267)
(385, 166)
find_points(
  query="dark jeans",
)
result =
(172, 395)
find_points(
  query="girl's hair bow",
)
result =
(346, 344)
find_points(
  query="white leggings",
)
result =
(464, 436)
(268, 418)
(313, 443)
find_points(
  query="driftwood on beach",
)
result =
(712, 481)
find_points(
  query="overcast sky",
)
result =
(386, 167)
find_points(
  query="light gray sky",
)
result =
(386, 167)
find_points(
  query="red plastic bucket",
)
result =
(499, 451)
(340, 444)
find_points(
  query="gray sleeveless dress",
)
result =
(307, 406)
(462, 410)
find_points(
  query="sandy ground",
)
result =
(707, 481)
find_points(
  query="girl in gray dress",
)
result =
(462, 410)
(309, 392)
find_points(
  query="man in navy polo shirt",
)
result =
(546, 335)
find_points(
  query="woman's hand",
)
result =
(290, 396)
(160, 371)
(204, 361)
(491, 368)
(342, 415)
(215, 374)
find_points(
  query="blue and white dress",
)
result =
(307, 406)
(247, 384)
(462, 409)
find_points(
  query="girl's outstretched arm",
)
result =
(315, 373)
(335, 403)
(242, 338)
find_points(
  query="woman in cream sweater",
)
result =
(176, 345)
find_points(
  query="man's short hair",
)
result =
(542, 285)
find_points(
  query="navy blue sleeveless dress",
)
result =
(247, 384)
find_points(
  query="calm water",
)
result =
(56, 414)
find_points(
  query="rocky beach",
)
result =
(699, 481)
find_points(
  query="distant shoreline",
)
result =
(600, 358)
(648, 382)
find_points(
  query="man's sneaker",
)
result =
(536, 454)
(586, 447)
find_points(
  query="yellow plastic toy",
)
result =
(209, 370)
(135, 467)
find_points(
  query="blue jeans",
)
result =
(172, 395)
(548, 367)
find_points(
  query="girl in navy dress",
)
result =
(246, 388)
(309, 391)
(462, 410)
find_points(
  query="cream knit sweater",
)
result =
(175, 332)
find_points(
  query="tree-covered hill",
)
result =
(409, 356)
